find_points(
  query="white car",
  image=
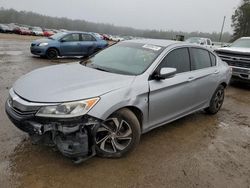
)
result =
(206, 42)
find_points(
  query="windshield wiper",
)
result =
(101, 69)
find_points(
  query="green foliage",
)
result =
(33, 19)
(241, 20)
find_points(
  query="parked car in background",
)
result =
(4, 28)
(48, 33)
(116, 38)
(103, 105)
(237, 56)
(206, 42)
(12, 27)
(106, 37)
(68, 44)
(37, 31)
(23, 31)
(97, 35)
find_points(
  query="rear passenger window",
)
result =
(87, 37)
(178, 59)
(213, 59)
(200, 58)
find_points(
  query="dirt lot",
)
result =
(196, 151)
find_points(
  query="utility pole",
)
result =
(222, 28)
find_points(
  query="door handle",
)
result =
(191, 78)
(216, 72)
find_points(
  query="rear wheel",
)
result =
(118, 135)
(52, 53)
(216, 101)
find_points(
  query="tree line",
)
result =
(34, 19)
(241, 20)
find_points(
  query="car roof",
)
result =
(157, 42)
(76, 32)
(245, 38)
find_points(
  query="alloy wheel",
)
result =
(218, 100)
(114, 135)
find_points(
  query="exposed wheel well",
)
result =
(138, 113)
(224, 84)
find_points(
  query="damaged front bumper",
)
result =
(73, 137)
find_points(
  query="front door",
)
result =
(172, 97)
(70, 45)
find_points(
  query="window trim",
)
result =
(210, 54)
(72, 34)
(177, 48)
(209, 58)
(81, 39)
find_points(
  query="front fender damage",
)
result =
(75, 141)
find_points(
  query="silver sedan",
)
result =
(104, 104)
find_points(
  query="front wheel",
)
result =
(52, 53)
(216, 101)
(118, 135)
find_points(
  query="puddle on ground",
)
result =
(11, 53)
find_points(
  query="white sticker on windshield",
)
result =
(152, 47)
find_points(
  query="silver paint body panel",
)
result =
(160, 101)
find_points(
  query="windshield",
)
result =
(243, 43)
(57, 36)
(125, 58)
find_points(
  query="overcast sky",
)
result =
(178, 15)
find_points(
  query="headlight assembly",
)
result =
(43, 44)
(68, 110)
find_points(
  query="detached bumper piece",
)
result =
(73, 137)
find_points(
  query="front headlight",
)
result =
(43, 44)
(68, 110)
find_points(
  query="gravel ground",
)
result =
(196, 151)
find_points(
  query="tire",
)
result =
(216, 101)
(52, 53)
(118, 135)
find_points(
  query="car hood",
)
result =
(234, 49)
(38, 41)
(68, 82)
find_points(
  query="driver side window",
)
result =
(178, 59)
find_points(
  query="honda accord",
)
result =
(104, 104)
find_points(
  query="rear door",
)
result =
(88, 44)
(172, 97)
(70, 45)
(204, 75)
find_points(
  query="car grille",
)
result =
(234, 59)
(17, 109)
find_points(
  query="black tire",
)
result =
(52, 53)
(118, 135)
(216, 101)
(42, 56)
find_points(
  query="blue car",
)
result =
(68, 44)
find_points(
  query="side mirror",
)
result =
(165, 73)
(62, 40)
(212, 44)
